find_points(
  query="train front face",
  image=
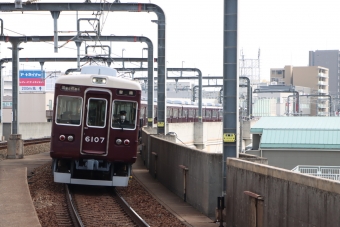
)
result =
(95, 130)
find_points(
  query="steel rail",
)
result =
(72, 209)
(37, 141)
(132, 214)
(3, 145)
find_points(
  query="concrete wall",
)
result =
(32, 108)
(193, 134)
(203, 178)
(28, 130)
(279, 197)
(184, 131)
(204, 175)
(288, 159)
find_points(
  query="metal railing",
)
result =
(328, 172)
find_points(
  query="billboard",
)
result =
(31, 81)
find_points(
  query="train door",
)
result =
(96, 122)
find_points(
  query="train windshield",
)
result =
(68, 110)
(97, 112)
(124, 114)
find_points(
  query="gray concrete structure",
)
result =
(203, 177)
(28, 130)
(15, 147)
(266, 196)
(230, 85)
(167, 160)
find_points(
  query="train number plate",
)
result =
(91, 139)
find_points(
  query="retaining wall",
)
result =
(29, 130)
(163, 158)
(287, 199)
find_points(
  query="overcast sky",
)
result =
(284, 31)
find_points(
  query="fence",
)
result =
(328, 172)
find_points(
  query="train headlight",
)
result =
(70, 138)
(98, 80)
(62, 138)
(126, 142)
(118, 141)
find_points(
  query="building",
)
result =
(329, 59)
(291, 141)
(38, 104)
(316, 78)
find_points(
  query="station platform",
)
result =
(16, 205)
(17, 208)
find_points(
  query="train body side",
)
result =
(177, 113)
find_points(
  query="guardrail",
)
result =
(328, 172)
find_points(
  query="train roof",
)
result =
(87, 80)
(145, 102)
(98, 69)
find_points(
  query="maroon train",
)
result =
(95, 127)
(179, 112)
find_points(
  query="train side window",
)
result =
(185, 112)
(197, 113)
(191, 113)
(214, 113)
(168, 111)
(175, 113)
(68, 111)
(220, 114)
(124, 114)
(208, 113)
(96, 112)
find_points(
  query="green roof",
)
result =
(298, 132)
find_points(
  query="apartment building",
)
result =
(329, 59)
(314, 77)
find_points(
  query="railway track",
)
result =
(98, 206)
(3, 145)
